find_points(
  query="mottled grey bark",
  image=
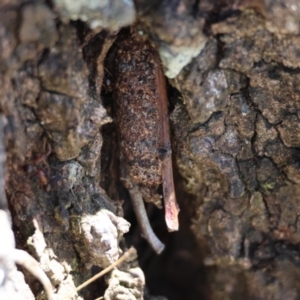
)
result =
(233, 69)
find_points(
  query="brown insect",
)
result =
(36, 164)
(143, 127)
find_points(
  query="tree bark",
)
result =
(234, 107)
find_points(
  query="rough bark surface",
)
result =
(234, 101)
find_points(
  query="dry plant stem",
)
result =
(142, 218)
(171, 206)
(24, 259)
(125, 256)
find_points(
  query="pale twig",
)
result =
(125, 256)
(142, 218)
(24, 259)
